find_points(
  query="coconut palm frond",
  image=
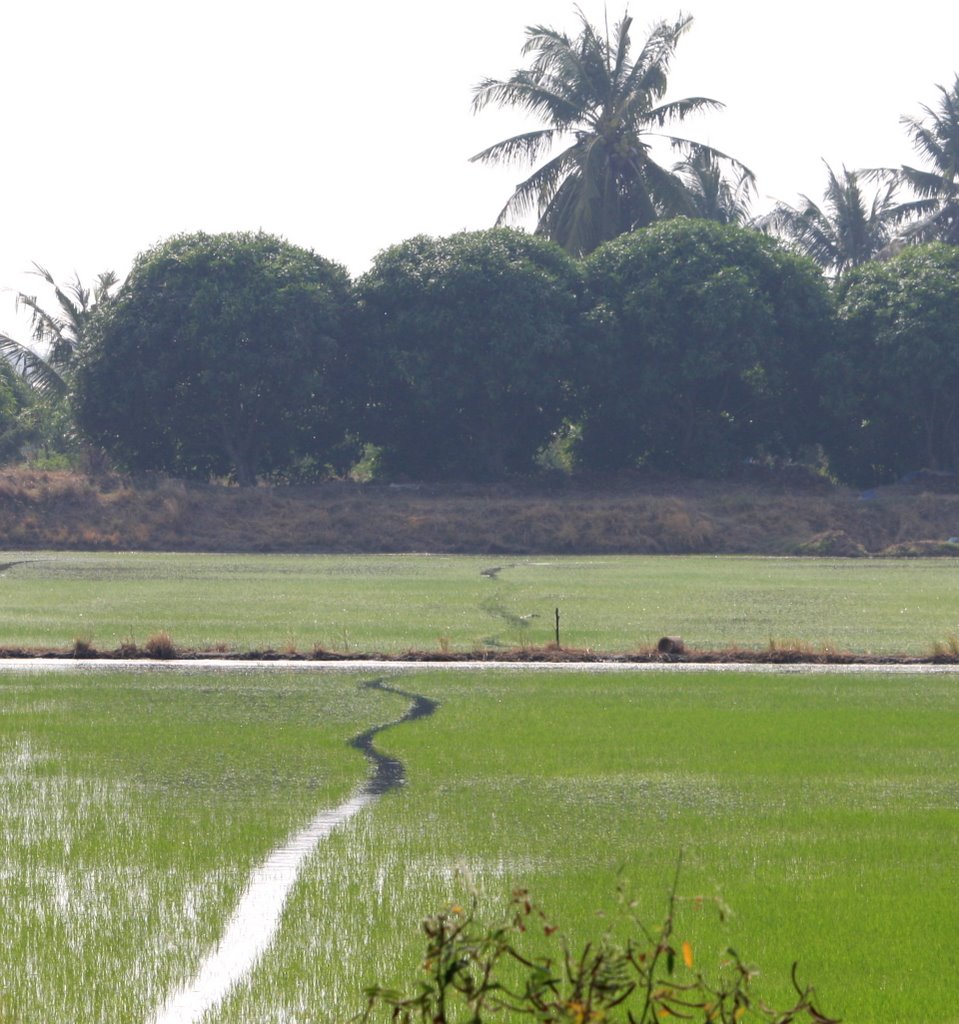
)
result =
(56, 333)
(535, 96)
(529, 146)
(934, 213)
(667, 190)
(35, 371)
(714, 194)
(679, 110)
(926, 184)
(846, 230)
(587, 88)
(537, 191)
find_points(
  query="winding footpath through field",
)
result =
(251, 929)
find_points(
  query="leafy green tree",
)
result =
(846, 230)
(935, 137)
(221, 354)
(705, 336)
(609, 108)
(467, 345)
(57, 333)
(15, 397)
(893, 378)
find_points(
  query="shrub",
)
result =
(160, 646)
(480, 972)
(83, 647)
(467, 343)
(221, 355)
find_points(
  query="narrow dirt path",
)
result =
(251, 929)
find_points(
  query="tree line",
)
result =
(688, 346)
(648, 322)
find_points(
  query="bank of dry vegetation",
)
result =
(768, 514)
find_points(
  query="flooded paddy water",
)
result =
(251, 929)
(388, 667)
(52, 811)
(229, 952)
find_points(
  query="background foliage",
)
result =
(689, 347)
(894, 376)
(468, 345)
(221, 355)
(705, 336)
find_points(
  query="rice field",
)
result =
(133, 809)
(824, 810)
(393, 603)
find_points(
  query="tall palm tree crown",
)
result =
(590, 93)
(713, 195)
(935, 137)
(845, 230)
(58, 334)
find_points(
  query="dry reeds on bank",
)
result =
(66, 511)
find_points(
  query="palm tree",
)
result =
(711, 194)
(935, 213)
(846, 230)
(57, 335)
(589, 93)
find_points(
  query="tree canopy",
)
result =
(894, 375)
(846, 230)
(647, 322)
(607, 106)
(705, 336)
(935, 137)
(15, 397)
(220, 355)
(467, 351)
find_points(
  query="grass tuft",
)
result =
(948, 649)
(83, 647)
(160, 646)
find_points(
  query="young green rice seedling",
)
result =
(819, 808)
(134, 809)
(394, 603)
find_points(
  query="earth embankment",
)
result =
(773, 516)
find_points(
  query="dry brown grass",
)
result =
(947, 649)
(160, 646)
(83, 647)
(623, 515)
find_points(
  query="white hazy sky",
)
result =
(347, 127)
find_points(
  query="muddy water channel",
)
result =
(251, 929)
